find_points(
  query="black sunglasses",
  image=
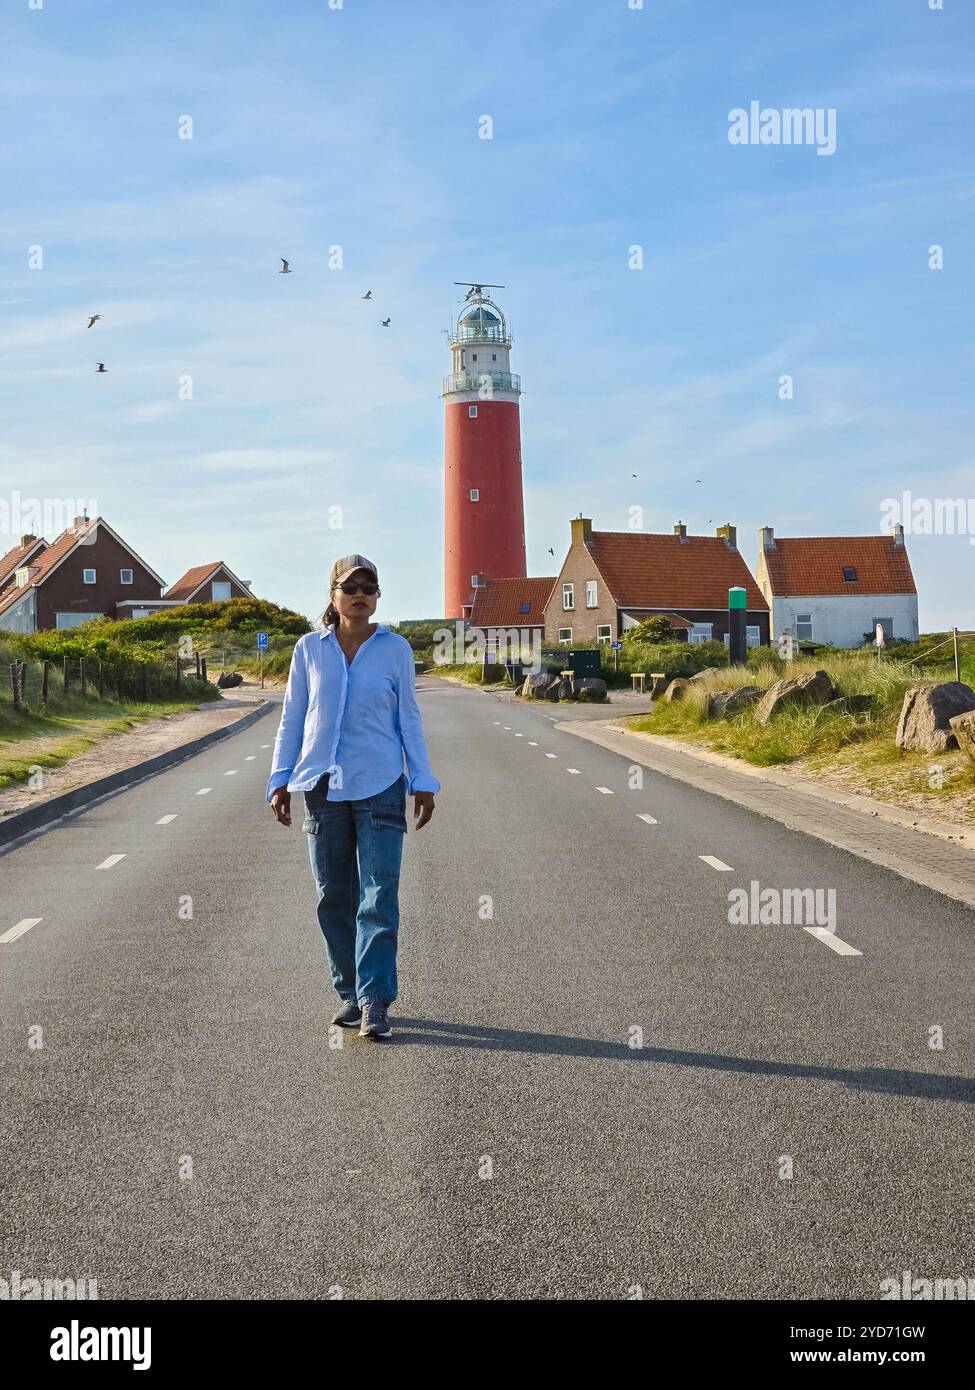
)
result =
(354, 586)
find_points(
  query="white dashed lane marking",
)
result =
(716, 863)
(231, 773)
(573, 769)
(650, 820)
(830, 939)
(551, 755)
(24, 925)
(203, 791)
(606, 791)
(110, 862)
(250, 758)
(164, 820)
(532, 743)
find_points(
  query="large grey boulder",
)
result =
(594, 686)
(926, 714)
(537, 687)
(707, 671)
(658, 684)
(724, 703)
(562, 691)
(963, 728)
(816, 688)
(677, 688)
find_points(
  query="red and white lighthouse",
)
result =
(484, 509)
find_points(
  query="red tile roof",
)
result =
(498, 603)
(18, 556)
(644, 570)
(189, 582)
(813, 565)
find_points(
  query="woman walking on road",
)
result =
(349, 715)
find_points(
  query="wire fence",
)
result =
(37, 685)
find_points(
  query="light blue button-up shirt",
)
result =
(354, 720)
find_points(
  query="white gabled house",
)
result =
(836, 589)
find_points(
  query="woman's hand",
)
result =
(281, 805)
(422, 809)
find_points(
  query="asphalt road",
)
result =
(187, 1131)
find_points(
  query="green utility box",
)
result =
(584, 662)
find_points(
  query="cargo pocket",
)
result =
(312, 825)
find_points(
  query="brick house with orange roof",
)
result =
(613, 580)
(836, 589)
(88, 572)
(518, 603)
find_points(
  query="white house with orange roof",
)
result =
(836, 589)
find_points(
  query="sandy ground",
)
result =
(119, 751)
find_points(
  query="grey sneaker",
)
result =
(349, 1015)
(375, 1022)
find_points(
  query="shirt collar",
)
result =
(329, 631)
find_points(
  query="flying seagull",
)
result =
(287, 267)
(100, 367)
(386, 323)
(697, 480)
(632, 475)
(94, 319)
(551, 551)
(368, 294)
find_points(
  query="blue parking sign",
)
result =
(262, 641)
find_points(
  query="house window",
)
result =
(125, 576)
(220, 589)
(474, 357)
(524, 608)
(568, 598)
(565, 634)
(590, 593)
(753, 636)
(22, 576)
(700, 632)
(74, 619)
(849, 572)
(603, 633)
(494, 357)
(804, 627)
(473, 581)
(475, 495)
(88, 576)
(472, 412)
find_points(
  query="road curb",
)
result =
(21, 823)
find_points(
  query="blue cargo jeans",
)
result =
(358, 900)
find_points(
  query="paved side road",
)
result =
(597, 1082)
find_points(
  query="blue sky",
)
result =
(358, 127)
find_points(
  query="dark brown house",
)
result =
(612, 580)
(211, 583)
(88, 572)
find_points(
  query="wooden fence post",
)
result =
(15, 684)
(101, 680)
(81, 675)
(45, 668)
(66, 674)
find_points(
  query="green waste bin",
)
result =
(584, 662)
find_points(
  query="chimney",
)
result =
(729, 534)
(581, 529)
(680, 531)
(27, 540)
(767, 537)
(898, 533)
(80, 522)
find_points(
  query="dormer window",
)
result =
(22, 576)
(849, 573)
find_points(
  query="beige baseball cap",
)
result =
(347, 566)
